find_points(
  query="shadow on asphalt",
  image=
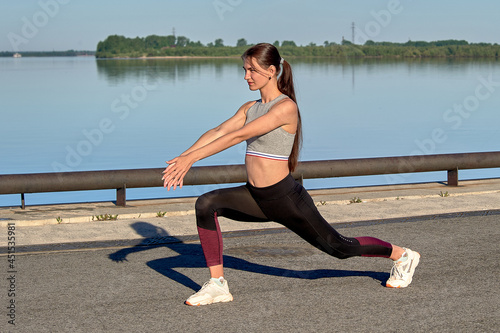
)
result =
(191, 256)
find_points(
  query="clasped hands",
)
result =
(177, 168)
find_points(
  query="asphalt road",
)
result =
(279, 284)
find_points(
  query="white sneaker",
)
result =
(402, 272)
(210, 293)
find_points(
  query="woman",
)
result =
(272, 128)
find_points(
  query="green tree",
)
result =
(114, 44)
(195, 44)
(182, 41)
(219, 42)
(288, 43)
(241, 42)
(158, 42)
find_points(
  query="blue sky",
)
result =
(46, 25)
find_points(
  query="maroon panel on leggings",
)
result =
(372, 245)
(211, 243)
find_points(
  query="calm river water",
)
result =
(79, 114)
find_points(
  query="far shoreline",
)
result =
(392, 57)
(171, 57)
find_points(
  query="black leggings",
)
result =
(285, 202)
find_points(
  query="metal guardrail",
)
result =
(136, 178)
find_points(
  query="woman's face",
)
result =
(256, 76)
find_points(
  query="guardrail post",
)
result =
(121, 196)
(453, 177)
(22, 201)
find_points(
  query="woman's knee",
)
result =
(202, 203)
(205, 211)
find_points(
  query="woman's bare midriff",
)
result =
(263, 172)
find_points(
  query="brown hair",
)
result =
(266, 55)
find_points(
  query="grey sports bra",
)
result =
(276, 144)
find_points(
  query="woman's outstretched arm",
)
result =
(235, 122)
(279, 115)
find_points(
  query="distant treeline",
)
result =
(69, 53)
(179, 46)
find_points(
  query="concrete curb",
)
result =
(92, 218)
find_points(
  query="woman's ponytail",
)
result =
(286, 86)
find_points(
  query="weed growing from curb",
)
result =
(355, 200)
(105, 217)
